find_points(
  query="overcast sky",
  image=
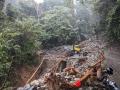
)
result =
(39, 1)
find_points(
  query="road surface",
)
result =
(113, 60)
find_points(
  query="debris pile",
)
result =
(62, 71)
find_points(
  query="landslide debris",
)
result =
(53, 75)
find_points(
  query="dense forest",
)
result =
(26, 27)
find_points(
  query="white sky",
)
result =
(74, 2)
(39, 1)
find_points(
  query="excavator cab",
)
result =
(72, 50)
(76, 48)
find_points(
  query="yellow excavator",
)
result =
(75, 49)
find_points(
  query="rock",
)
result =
(20, 88)
(27, 86)
(35, 83)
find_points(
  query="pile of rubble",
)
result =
(56, 77)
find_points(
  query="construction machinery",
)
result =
(72, 50)
(76, 48)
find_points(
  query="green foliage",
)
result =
(114, 23)
(12, 12)
(25, 43)
(109, 11)
(18, 44)
(58, 25)
(5, 61)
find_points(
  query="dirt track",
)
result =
(113, 60)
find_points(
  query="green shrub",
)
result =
(18, 44)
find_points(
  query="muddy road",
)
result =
(113, 60)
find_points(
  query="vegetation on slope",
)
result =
(21, 35)
(109, 11)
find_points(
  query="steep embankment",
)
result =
(51, 57)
